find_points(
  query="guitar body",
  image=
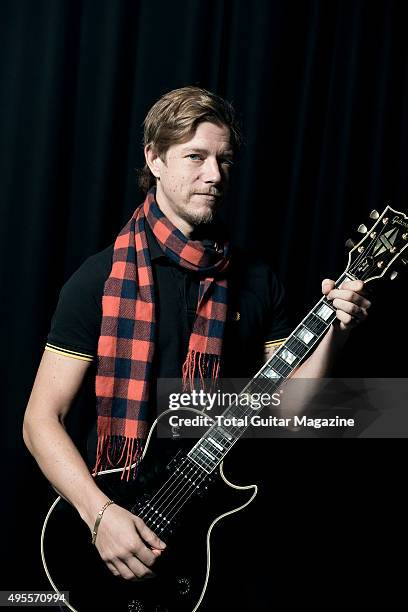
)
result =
(73, 564)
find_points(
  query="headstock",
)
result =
(383, 246)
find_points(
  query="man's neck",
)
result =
(185, 228)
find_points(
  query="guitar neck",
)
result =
(214, 445)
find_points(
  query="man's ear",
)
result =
(152, 160)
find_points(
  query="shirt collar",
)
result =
(155, 249)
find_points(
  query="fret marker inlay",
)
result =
(287, 356)
(305, 335)
(324, 312)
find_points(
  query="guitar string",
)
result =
(166, 512)
(168, 515)
(167, 482)
(185, 477)
(369, 249)
(164, 491)
(183, 500)
(362, 255)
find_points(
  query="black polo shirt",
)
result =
(255, 318)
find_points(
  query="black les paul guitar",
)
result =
(182, 493)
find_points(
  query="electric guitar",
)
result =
(181, 491)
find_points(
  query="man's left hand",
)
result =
(350, 302)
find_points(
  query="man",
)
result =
(174, 302)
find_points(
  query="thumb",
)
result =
(327, 285)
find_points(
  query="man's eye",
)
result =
(227, 162)
(194, 156)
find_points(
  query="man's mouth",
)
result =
(209, 195)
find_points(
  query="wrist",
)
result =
(99, 518)
(89, 510)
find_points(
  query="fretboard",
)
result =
(213, 446)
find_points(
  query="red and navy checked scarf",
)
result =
(128, 331)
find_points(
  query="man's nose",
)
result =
(212, 171)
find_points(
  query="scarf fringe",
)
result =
(200, 367)
(112, 449)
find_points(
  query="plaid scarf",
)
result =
(128, 331)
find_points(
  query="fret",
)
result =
(316, 325)
(215, 443)
(205, 460)
(271, 375)
(212, 447)
(224, 434)
(280, 366)
(201, 455)
(255, 386)
(239, 411)
(229, 428)
(269, 380)
(212, 450)
(232, 411)
(216, 438)
(206, 452)
(271, 384)
(297, 346)
(201, 464)
(265, 382)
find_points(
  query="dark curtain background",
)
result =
(322, 91)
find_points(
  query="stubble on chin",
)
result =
(199, 216)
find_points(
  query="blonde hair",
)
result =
(174, 119)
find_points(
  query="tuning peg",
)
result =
(362, 229)
(374, 214)
(393, 275)
(349, 244)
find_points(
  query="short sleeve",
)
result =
(278, 327)
(76, 323)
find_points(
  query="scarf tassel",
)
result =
(200, 366)
(111, 450)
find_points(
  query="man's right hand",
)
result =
(128, 547)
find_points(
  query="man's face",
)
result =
(194, 176)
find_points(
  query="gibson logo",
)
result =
(396, 220)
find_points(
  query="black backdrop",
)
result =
(322, 91)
